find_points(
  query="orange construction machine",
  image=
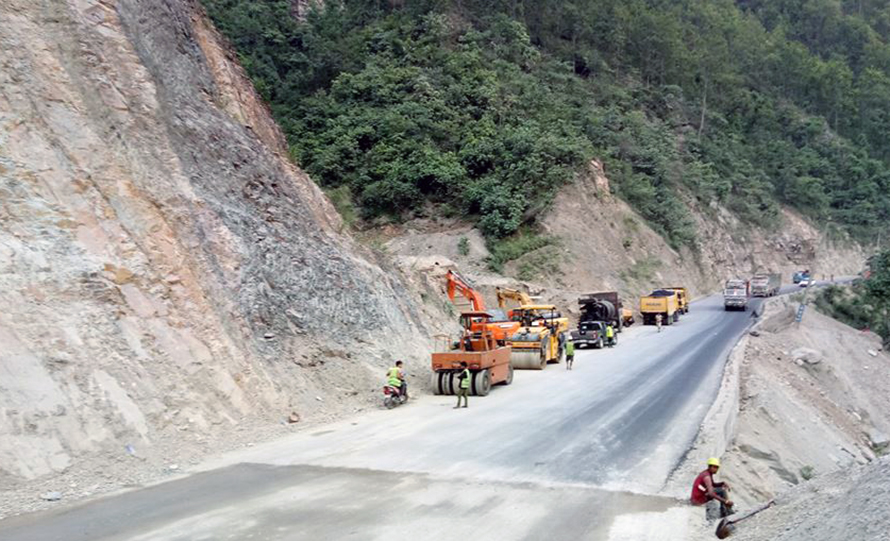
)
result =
(497, 321)
(489, 362)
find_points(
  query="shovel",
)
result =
(726, 526)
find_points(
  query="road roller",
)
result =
(540, 339)
(488, 362)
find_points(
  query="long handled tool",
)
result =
(726, 526)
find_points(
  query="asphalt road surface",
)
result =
(557, 454)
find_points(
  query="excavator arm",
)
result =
(507, 294)
(456, 284)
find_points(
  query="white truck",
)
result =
(735, 295)
(765, 284)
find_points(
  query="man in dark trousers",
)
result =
(464, 386)
(705, 489)
(570, 353)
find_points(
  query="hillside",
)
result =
(169, 280)
(482, 110)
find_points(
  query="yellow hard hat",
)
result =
(714, 462)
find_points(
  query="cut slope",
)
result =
(166, 276)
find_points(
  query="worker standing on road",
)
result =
(705, 489)
(464, 387)
(570, 353)
(610, 335)
(658, 321)
(396, 378)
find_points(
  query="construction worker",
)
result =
(570, 353)
(705, 490)
(464, 387)
(658, 321)
(610, 335)
(396, 378)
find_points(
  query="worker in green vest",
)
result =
(610, 335)
(464, 386)
(570, 353)
(395, 377)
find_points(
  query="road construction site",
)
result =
(575, 454)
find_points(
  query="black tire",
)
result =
(437, 383)
(482, 383)
(599, 343)
(676, 317)
(543, 356)
(389, 402)
(509, 379)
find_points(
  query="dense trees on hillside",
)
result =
(486, 106)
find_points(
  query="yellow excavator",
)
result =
(541, 336)
(505, 294)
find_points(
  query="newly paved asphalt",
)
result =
(560, 444)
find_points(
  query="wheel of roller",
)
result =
(527, 360)
(482, 382)
(448, 383)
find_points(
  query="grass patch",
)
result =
(807, 472)
(545, 262)
(463, 246)
(641, 271)
(341, 198)
(511, 248)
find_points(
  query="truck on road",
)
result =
(605, 306)
(661, 301)
(589, 334)
(735, 295)
(766, 284)
(683, 298)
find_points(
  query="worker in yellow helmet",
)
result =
(705, 489)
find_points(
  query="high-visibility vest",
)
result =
(610, 332)
(465, 382)
(570, 348)
(393, 376)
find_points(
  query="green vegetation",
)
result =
(866, 303)
(514, 247)
(485, 107)
(642, 271)
(543, 263)
(807, 472)
(463, 246)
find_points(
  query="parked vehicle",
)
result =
(488, 361)
(766, 284)
(735, 295)
(683, 298)
(801, 275)
(665, 302)
(589, 334)
(605, 306)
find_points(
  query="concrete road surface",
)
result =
(558, 454)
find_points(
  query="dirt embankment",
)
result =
(170, 284)
(801, 417)
(601, 244)
(813, 400)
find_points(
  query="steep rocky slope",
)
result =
(167, 277)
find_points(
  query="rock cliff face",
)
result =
(164, 272)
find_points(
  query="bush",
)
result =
(509, 249)
(463, 246)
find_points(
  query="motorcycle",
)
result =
(392, 397)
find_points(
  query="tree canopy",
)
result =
(485, 107)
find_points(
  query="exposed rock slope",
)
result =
(165, 274)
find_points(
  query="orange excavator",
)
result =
(497, 322)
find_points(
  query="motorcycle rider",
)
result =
(396, 378)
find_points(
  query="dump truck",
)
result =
(766, 284)
(605, 306)
(682, 298)
(488, 362)
(540, 339)
(735, 295)
(497, 322)
(661, 301)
